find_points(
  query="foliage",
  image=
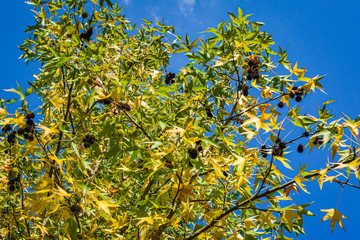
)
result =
(122, 149)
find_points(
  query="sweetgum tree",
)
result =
(120, 148)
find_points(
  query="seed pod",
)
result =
(280, 104)
(193, 152)
(282, 145)
(209, 113)
(76, 209)
(30, 115)
(300, 148)
(306, 134)
(169, 78)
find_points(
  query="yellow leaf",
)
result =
(298, 180)
(353, 129)
(249, 223)
(62, 192)
(3, 113)
(105, 204)
(289, 215)
(335, 216)
(57, 101)
(149, 220)
(296, 70)
(49, 131)
(176, 129)
(266, 217)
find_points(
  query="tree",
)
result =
(122, 149)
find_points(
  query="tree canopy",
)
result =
(121, 148)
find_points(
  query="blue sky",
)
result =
(322, 36)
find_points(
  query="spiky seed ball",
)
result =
(209, 113)
(169, 78)
(294, 88)
(11, 188)
(91, 140)
(87, 144)
(85, 15)
(87, 35)
(300, 148)
(30, 122)
(278, 151)
(11, 181)
(282, 145)
(76, 209)
(27, 128)
(278, 140)
(245, 92)
(10, 140)
(251, 63)
(306, 134)
(31, 138)
(249, 76)
(26, 136)
(30, 115)
(292, 95)
(263, 151)
(298, 98)
(256, 75)
(280, 104)
(193, 152)
(6, 128)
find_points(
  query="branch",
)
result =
(255, 197)
(254, 106)
(345, 183)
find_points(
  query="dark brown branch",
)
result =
(255, 197)
(345, 183)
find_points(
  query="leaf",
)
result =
(249, 223)
(57, 101)
(335, 217)
(105, 204)
(19, 91)
(149, 220)
(289, 215)
(298, 180)
(291, 187)
(296, 70)
(49, 131)
(3, 113)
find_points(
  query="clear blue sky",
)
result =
(322, 36)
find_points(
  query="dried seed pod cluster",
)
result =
(253, 71)
(278, 148)
(88, 141)
(87, 34)
(169, 78)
